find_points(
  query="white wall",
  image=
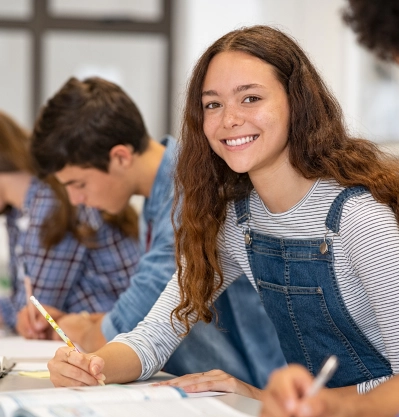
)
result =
(317, 25)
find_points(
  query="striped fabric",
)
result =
(366, 267)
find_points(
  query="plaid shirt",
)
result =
(69, 276)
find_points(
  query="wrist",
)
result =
(255, 393)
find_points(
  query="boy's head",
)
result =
(376, 23)
(87, 134)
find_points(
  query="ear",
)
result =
(121, 156)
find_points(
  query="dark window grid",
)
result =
(41, 22)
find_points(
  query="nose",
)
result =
(76, 197)
(232, 117)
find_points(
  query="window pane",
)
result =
(15, 70)
(149, 10)
(379, 101)
(15, 9)
(135, 62)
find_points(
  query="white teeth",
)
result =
(240, 141)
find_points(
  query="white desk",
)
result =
(13, 381)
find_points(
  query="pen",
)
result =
(55, 326)
(324, 375)
(28, 292)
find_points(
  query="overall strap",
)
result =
(334, 214)
(242, 210)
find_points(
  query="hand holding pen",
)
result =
(293, 392)
(60, 332)
(29, 323)
(327, 370)
(52, 323)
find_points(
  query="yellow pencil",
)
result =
(55, 326)
(52, 323)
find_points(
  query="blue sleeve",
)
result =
(155, 269)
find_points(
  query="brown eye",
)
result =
(212, 105)
(251, 99)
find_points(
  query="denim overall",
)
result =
(299, 292)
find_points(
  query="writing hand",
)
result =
(40, 328)
(70, 368)
(285, 396)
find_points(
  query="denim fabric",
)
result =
(238, 345)
(243, 343)
(299, 291)
(157, 262)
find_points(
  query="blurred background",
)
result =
(149, 47)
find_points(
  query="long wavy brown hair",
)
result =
(319, 147)
(15, 156)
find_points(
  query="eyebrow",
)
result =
(65, 184)
(236, 90)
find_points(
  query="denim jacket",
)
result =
(157, 262)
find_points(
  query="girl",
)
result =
(75, 259)
(272, 186)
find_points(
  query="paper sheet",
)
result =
(30, 366)
(18, 347)
(189, 394)
(207, 407)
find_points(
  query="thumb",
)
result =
(96, 365)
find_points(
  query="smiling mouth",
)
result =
(240, 141)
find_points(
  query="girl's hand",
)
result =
(70, 368)
(215, 380)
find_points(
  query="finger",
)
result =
(96, 365)
(40, 324)
(196, 378)
(215, 380)
(23, 326)
(288, 385)
(181, 381)
(71, 368)
(211, 385)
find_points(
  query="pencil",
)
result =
(28, 292)
(53, 323)
(55, 326)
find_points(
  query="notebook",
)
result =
(111, 400)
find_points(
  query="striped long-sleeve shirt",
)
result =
(366, 268)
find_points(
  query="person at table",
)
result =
(376, 24)
(92, 136)
(272, 185)
(76, 259)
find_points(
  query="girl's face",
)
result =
(246, 113)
